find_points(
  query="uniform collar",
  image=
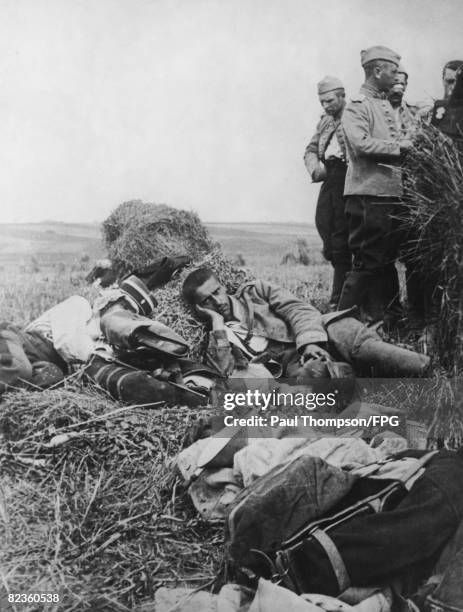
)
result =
(372, 92)
(237, 309)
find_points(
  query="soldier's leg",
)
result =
(357, 281)
(369, 354)
(374, 243)
(128, 385)
(381, 249)
(324, 219)
(341, 255)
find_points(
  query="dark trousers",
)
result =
(374, 239)
(330, 217)
(26, 357)
(331, 223)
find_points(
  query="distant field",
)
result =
(43, 263)
(50, 243)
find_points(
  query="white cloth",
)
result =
(262, 455)
(70, 327)
(333, 150)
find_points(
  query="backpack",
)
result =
(294, 546)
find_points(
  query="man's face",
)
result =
(212, 295)
(331, 102)
(398, 89)
(449, 80)
(386, 76)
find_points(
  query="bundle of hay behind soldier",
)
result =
(356, 152)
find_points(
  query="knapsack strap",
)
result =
(407, 478)
(333, 554)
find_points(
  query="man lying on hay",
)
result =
(266, 325)
(133, 357)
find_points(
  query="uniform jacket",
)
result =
(372, 143)
(408, 119)
(271, 312)
(315, 151)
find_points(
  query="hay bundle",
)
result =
(136, 233)
(302, 256)
(90, 505)
(303, 251)
(434, 219)
(288, 259)
(174, 312)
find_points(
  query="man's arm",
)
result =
(356, 126)
(304, 319)
(311, 159)
(219, 353)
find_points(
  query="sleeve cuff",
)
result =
(311, 338)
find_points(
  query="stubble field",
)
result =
(91, 507)
(102, 520)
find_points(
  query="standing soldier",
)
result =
(325, 160)
(405, 113)
(373, 186)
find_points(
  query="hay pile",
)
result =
(90, 506)
(136, 233)
(434, 218)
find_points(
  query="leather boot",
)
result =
(375, 300)
(382, 302)
(355, 289)
(129, 385)
(339, 276)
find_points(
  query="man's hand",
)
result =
(405, 146)
(207, 314)
(313, 351)
(319, 174)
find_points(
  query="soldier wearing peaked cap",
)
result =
(325, 160)
(373, 186)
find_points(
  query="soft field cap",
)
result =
(329, 83)
(379, 53)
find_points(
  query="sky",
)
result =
(205, 105)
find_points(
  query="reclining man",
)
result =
(134, 358)
(262, 323)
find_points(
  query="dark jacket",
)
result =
(315, 151)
